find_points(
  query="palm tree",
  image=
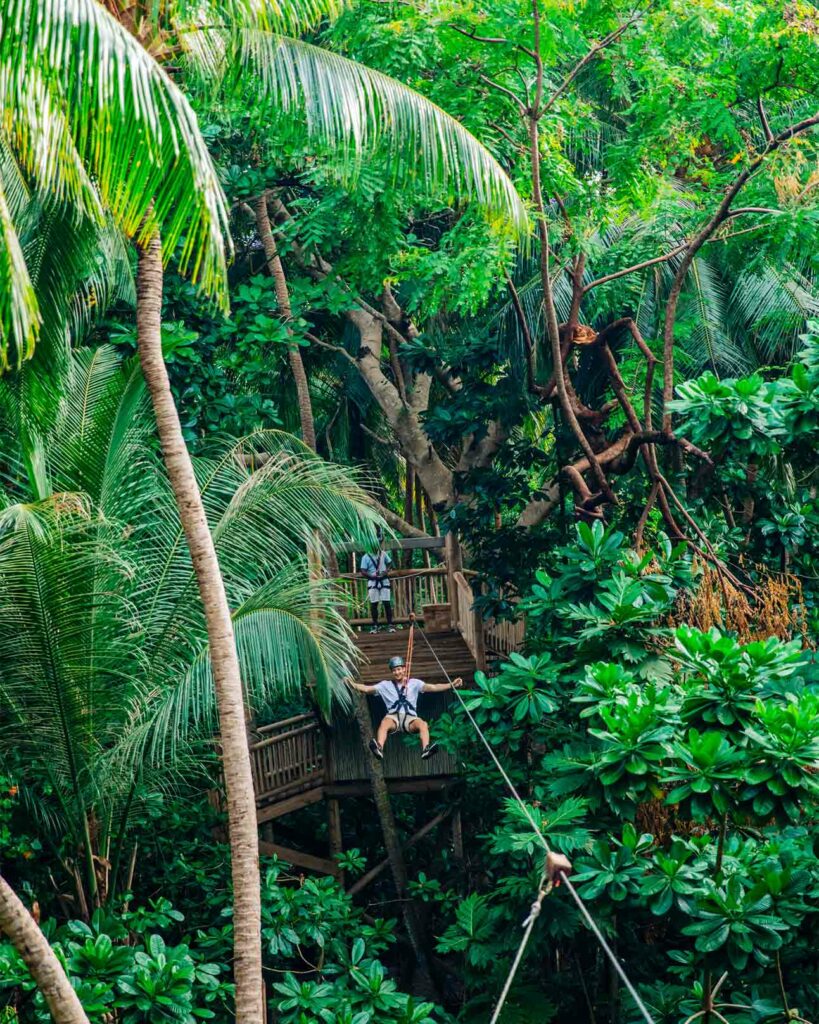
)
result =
(18, 924)
(89, 115)
(105, 659)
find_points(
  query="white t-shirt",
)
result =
(388, 691)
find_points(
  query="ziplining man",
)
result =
(400, 695)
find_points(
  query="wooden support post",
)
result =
(457, 836)
(334, 833)
(480, 640)
(395, 855)
(382, 866)
(454, 564)
(408, 506)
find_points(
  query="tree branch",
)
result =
(330, 347)
(633, 270)
(716, 219)
(505, 91)
(478, 39)
(763, 117)
(612, 37)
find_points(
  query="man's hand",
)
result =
(555, 864)
(456, 683)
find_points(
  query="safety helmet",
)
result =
(396, 662)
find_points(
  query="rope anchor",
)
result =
(536, 907)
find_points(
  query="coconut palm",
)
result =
(105, 670)
(90, 116)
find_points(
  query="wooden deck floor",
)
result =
(348, 761)
(300, 760)
(450, 647)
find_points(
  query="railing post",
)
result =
(454, 563)
(480, 639)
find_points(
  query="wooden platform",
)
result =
(402, 755)
(376, 650)
(300, 760)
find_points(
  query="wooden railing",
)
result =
(504, 637)
(482, 635)
(288, 758)
(411, 589)
(470, 624)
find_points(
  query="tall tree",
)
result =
(135, 133)
(17, 923)
(241, 801)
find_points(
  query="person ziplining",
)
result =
(400, 695)
(376, 567)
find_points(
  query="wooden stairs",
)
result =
(376, 650)
(303, 760)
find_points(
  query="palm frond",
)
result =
(69, 671)
(19, 313)
(287, 632)
(770, 305)
(354, 110)
(82, 102)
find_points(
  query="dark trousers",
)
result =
(387, 606)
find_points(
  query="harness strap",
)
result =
(401, 702)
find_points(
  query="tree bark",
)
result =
(409, 495)
(274, 264)
(392, 844)
(241, 803)
(20, 928)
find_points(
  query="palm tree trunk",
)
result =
(274, 264)
(21, 929)
(241, 803)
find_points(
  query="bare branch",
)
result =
(377, 437)
(634, 269)
(763, 117)
(330, 347)
(753, 209)
(502, 131)
(478, 39)
(612, 37)
(717, 218)
(505, 91)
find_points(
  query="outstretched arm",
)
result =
(441, 687)
(359, 686)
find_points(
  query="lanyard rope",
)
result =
(529, 923)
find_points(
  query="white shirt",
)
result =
(388, 691)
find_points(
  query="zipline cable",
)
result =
(581, 906)
(544, 888)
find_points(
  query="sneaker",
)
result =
(374, 629)
(376, 750)
(390, 629)
(429, 751)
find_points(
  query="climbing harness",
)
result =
(402, 709)
(543, 887)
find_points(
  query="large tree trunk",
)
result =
(20, 928)
(241, 803)
(274, 264)
(392, 845)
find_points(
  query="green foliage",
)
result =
(105, 670)
(681, 781)
(143, 982)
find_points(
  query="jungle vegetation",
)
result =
(280, 276)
